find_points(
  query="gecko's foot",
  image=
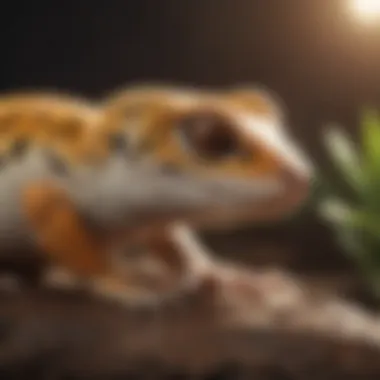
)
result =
(60, 278)
(114, 289)
(182, 295)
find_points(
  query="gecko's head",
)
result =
(234, 138)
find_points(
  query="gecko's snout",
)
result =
(296, 184)
(293, 175)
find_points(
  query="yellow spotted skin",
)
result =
(79, 131)
(147, 117)
(58, 122)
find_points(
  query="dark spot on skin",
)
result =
(118, 142)
(19, 148)
(57, 164)
(147, 145)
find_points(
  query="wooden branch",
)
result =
(238, 324)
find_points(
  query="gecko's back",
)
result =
(59, 123)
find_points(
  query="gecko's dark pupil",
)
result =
(209, 135)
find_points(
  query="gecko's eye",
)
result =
(209, 135)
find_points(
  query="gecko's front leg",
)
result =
(64, 237)
(189, 264)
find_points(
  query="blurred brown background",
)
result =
(319, 59)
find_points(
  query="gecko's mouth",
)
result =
(292, 193)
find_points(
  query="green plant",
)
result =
(354, 213)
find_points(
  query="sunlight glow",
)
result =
(366, 10)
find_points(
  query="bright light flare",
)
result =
(366, 10)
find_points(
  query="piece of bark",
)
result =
(239, 325)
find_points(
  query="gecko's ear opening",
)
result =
(258, 100)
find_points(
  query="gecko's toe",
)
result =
(58, 277)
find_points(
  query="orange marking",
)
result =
(60, 231)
